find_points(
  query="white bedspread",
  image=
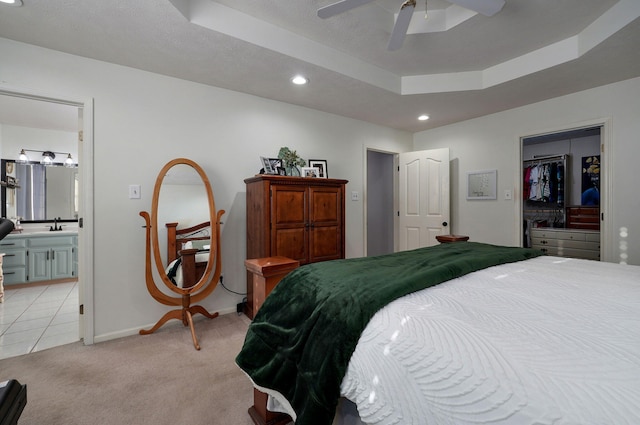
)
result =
(544, 341)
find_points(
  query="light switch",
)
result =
(134, 191)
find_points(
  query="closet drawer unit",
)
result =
(543, 233)
(570, 252)
(567, 243)
(593, 237)
(583, 218)
(570, 236)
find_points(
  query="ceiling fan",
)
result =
(484, 7)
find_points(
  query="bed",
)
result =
(187, 253)
(462, 333)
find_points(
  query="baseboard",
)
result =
(134, 331)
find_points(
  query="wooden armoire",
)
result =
(296, 217)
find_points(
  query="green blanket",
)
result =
(302, 338)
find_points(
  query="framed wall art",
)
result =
(481, 184)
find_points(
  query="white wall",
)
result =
(493, 142)
(144, 120)
(13, 138)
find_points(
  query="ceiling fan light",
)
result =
(423, 117)
(16, 3)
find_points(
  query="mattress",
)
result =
(544, 341)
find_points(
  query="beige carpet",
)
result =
(151, 379)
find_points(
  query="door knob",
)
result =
(445, 224)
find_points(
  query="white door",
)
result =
(423, 210)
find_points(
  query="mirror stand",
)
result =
(195, 284)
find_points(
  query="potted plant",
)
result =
(291, 161)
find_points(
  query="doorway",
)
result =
(380, 219)
(562, 191)
(31, 110)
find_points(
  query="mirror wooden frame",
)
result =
(209, 280)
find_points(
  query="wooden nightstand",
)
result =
(267, 273)
(452, 238)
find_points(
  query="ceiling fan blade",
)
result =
(402, 24)
(484, 7)
(339, 7)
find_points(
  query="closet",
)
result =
(561, 176)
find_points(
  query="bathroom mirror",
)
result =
(182, 195)
(44, 193)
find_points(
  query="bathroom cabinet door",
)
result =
(61, 262)
(39, 264)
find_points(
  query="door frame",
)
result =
(606, 244)
(86, 212)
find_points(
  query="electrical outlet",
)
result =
(507, 194)
(355, 196)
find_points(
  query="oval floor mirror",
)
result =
(188, 265)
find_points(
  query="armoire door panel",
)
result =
(289, 205)
(325, 243)
(291, 243)
(325, 205)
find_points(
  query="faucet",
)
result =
(55, 226)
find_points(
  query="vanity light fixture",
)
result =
(16, 3)
(423, 117)
(69, 161)
(47, 157)
(299, 80)
(23, 158)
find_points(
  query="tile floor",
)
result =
(38, 317)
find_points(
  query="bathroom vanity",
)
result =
(39, 256)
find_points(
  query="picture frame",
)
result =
(267, 167)
(321, 164)
(481, 184)
(311, 172)
(276, 163)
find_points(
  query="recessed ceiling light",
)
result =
(423, 117)
(11, 2)
(299, 80)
